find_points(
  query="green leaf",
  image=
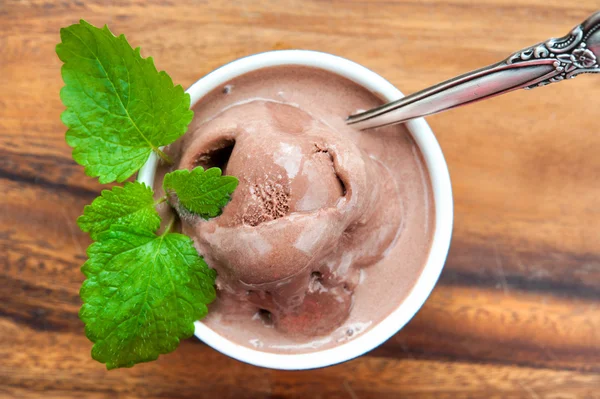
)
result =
(142, 294)
(119, 107)
(204, 193)
(132, 204)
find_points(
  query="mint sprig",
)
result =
(142, 291)
(132, 204)
(118, 104)
(142, 294)
(199, 191)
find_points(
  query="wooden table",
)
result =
(517, 310)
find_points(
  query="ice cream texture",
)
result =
(318, 206)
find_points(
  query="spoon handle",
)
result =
(547, 62)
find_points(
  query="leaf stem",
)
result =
(169, 226)
(163, 156)
(160, 200)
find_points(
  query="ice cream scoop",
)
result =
(310, 210)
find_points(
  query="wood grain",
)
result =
(516, 313)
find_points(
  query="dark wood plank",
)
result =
(55, 363)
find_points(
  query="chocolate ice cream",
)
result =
(318, 207)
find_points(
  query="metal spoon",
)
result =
(547, 62)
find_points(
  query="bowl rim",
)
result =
(442, 195)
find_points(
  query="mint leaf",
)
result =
(142, 294)
(119, 107)
(204, 193)
(132, 204)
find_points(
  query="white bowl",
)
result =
(442, 194)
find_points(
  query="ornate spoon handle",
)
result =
(547, 62)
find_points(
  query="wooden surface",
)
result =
(516, 313)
